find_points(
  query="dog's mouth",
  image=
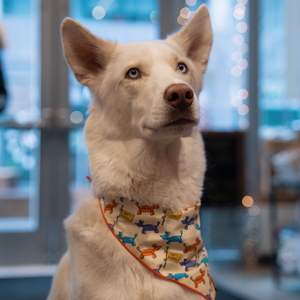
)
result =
(180, 122)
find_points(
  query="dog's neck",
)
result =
(169, 173)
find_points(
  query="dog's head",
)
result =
(142, 89)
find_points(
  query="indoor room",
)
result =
(245, 169)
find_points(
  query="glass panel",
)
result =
(117, 20)
(19, 149)
(279, 93)
(223, 100)
(19, 179)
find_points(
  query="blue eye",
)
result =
(134, 73)
(182, 68)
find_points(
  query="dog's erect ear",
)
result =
(85, 53)
(196, 38)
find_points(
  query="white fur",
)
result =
(132, 154)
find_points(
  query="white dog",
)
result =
(144, 144)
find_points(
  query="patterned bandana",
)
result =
(168, 244)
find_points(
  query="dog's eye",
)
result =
(134, 73)
(182, 68)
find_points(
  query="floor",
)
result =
(233, 284)
(256, 284)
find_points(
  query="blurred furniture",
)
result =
(224, 183)
(285, 237)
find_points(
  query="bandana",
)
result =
(169, 244)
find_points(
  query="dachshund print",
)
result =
(146, 208)
(195, 206)
(178, 276)
(110, 207)
(175, 238)
(147, 227)
(204, 261)
(192, 247)
(149, 252)
(188, 221)
(127, 240)
(189, 263)
(199, 279)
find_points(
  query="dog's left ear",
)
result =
(196, 38)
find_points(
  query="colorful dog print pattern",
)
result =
(168, 243)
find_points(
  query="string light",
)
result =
(242, 94)
(242, 63)
(236, 71)
(243, 48)
(243, 109)
(236, 56)
(247, 201)
(241, 27)
(238, 39)
(185, 13)
(190, 2)
(98, 13)
(236, 101)
(181, 20)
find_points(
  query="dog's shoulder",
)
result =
(86, 220)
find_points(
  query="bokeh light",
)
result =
(98, 12)
(236, 56)
(236, 71)
(241, 27)
(247, 201)
(243, 109)
(238, 39)
(242, 94)
(76, 117)
(191, 2)
(236, 101)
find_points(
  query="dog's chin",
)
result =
(173, 129)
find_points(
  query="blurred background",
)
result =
(250, 119)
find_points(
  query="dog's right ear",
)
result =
(86, 54)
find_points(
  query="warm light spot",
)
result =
(241, 27)
(76, 117)
(243, 48)
(236, 71)
(236, 56)
(191, 2)
(236, 101)
(242, 63)
(243, 109)
(242, 94)
(238, 39)
(191, 15)
(239, 6)
(185, 12)
(154, 16)
(98, 13)
(254, 211)
(181, 20)
(243, 123)
(247, 201)
(239, 14)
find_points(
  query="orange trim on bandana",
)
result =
(165, 277)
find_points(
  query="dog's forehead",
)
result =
(148, 51)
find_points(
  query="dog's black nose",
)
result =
(180, 96)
